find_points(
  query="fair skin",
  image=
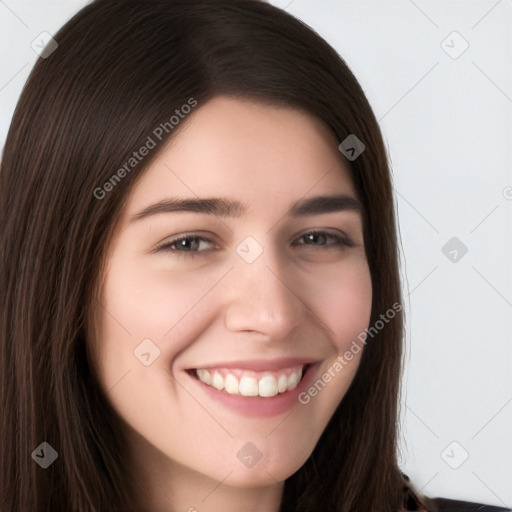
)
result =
(204, 305)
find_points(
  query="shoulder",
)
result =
(448, 505)
(413, 500)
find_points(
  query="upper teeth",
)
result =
(249, 383)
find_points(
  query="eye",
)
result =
(324, 241)
(191, 245)
(185, 245)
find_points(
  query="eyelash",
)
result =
(167, 247)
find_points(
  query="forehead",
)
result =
(260, 154)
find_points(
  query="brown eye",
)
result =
(188, 245)
(324, 240)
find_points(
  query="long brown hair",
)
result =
(120, 70)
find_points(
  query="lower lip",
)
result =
(259, 406)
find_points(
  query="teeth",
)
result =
(282, 383)
(293, 380)
(249, 383)
(248, 386)
(205, 376)
(231, 384)
(267, 386)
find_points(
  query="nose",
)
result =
(262, 297)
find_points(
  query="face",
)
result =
(217, 318)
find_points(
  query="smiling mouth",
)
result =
(248, 383)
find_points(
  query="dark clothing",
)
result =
(415, 501)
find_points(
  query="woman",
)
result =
(201, 305)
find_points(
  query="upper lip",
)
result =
(260, 365)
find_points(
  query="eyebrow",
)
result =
(223, 207)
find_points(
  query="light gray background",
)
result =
(447, 123)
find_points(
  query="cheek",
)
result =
(138, 304)
(132, 309)
(147, 304)
(344, 302)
